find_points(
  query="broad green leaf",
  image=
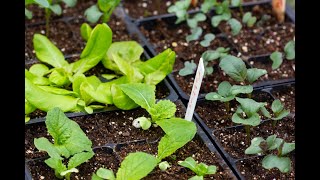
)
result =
(96, 48)
(234, 67)
(59, 77)
(276, 58)
(27, 13)
(141, 94)
(277, 106)
(85, 31)
(56, 8)
(96, 177)
(69, 171)
(236, 89)
(210, 55)
(189, 162)
(68, 136)
(28, 108)
(246, 17)
(176, 135)
(189, 68)
(196, 178)
(136, 166)
(180, 9)
(213, 96)
(272, 161)
(201, 169)
(70, 3)
(289, 50)
(254, 148)
(249, 105)
(47, 52)
(163, 109)
(43, 3)
(57, 165)
(195, 34)
(253, 74)
(253, 120)
(129, 51)
(46, 101)
(271, 142)
(39, 70)
(121, 100)
(224, 88)
(43, 144)
(37, 80)
(207, 40)
(276, 143)
(265, 112)
(211, 169)
(235, 26)
(79, 158)
(281, 115)
(287, 148)
(193, 22)
(106, 174)
(59, 91)
(92, 14)
(236, 2)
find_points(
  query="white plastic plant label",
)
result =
(195, 91)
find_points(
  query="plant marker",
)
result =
(279, 7)
(195, 91)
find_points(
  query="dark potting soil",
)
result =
(234, 140)
(213, 113)
(287, 95)
(164, 33)
(260, 40)
(106, 158)
(285, 71)
(252, 169)
(102, 128)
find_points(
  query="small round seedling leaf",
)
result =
(164, 165)
(276, 106)
(282, 114)
(236, 2)
(276, 58)
(105, 173)
(207, 39)
(93, 14)
(200, 17)
(189, 68)
(289, 50)
(210, 55)
(85, 31)
(249, 105)
(56, 8)
(272, 161)
(246, 17)
(43, 3)
(235, 26)
(195, 34)
(254, 73)
(70, 3)
(27, 13)
(211, 169)
(224, 88)
(254, 120)
(39, 70)
(271, 142)
(251, 21)
(255, 148)
(208, 70)
(287, 148)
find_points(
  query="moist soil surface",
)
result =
(213, 113)
(251, 168)
(270, 36)
(234, 140)
(287, 95)
(102, 128)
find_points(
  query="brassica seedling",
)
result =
(207, 40)
(164, 165)
(193, 22)
(200, 169)
(70, 143)
(247, 113)
(103, 9)
(180, 9)
(248, 19)
(278, 111)
(207, 5)
(189, 68)
(277, 57)
(265, 18)
(195, 34)
(226, 93)
(279, 161)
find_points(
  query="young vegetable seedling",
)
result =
(70, 144)
(200, 169)
(248, 19)
(278, 112)
(103, 9)
(247, 113)
(277, 57)
(279, 161)
(226, 93)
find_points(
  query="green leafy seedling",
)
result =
(70, 143)
(189, 68)
(195, 34)
(211, 55)
(278, 111)
(235, 25)
(180, 10)
(207, 40)
(193, 22)
(279, 161)
(277, 57)
(248, 19)
(102, 10)
(226, 93)
(247, 113)
(207, 5)
(164, 165)
(200, 169)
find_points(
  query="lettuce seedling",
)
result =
(278, 111)
(247, 113)
(135, 166)
(226, 93)
(49, 6)
(70, 143)
(103, 9)
(200, 169)
(248, 19)
(279, 161)
(277, 57)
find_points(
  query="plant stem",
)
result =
(274, 123)
(247, 128)
(241, 8)
(47, 15)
